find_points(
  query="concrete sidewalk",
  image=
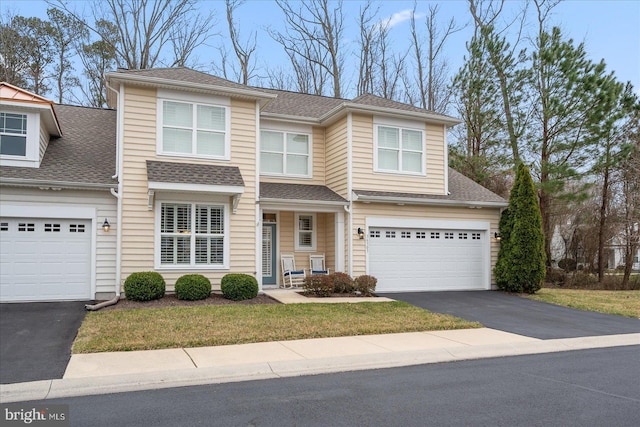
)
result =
(101, 373)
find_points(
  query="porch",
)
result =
(301, 220)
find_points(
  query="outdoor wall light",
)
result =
(497, 236)
(106, 226)
(360, 233)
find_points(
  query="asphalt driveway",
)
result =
(520, 315)
(36, 338)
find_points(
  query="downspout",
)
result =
(350, 191)
(118, 196)
(258, 232)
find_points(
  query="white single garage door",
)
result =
(406, 259)
(45, 259)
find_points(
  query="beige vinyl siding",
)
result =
(105, 205)
(364, 177)
(317, 167)
(138, 240)
(336, 157)
(324, 244)
(44, 141)
(139, 144)
(382, 210)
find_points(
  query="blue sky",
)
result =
(610, 29)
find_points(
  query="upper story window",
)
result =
(194, 129)
(13, 134)
(399, 150)
(285, 153)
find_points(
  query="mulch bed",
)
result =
(170, 300)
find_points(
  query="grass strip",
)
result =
(147, 329)
(621, 303)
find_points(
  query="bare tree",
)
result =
(243, 51)
(431, 78)
(146, 27)
(313, 40)
(65, 31)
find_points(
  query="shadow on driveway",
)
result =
(36, 338)
(520, 315)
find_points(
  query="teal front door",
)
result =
(269, 266)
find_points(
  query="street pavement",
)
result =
(100, 373)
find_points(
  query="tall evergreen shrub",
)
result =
(521, 260)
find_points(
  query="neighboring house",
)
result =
(56, 168)
(215, 177)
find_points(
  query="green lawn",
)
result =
(146, 329)
(622, 303)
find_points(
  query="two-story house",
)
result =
(216, 177)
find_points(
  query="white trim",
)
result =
(399, 123)
(339, 243)
(194, 155)
(309, 135)
(31, 159)
(273, 125)
(66, 212)
(157, 236)
(446, 161)
(314, 231)
(350, 190)
(191, 97)
(400, 172)
(425, 201)
(198, 188)
(302, 205)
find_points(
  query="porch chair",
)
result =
(291, 278)
(317, 264)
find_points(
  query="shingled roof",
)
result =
(462, 190)
(315, 193)
(190, 173)
(84, 156)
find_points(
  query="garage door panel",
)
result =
(424, 259)
(45, 260)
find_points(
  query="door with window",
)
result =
(269, 262)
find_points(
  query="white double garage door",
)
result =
(45, 259)
(450, 257)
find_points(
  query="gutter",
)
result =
(118, 196)
(20, 182)
(435, 202)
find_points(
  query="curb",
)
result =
(61, 388)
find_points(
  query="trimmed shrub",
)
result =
(366, 285)
(319, 285)
(192, 287)
(239, 287)
(342, 283)
(144, 286)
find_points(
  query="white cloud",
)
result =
(400, 17)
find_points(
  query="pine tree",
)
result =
(521, 260)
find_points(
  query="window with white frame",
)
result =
(194, 129)
(305, 232)
(192, 234)
(400, 150)
(285, 153)
(13, 134)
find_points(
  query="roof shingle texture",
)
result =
(187, 75)
(316, 193)
(190, 173)
(85, 154)
(461, 189)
